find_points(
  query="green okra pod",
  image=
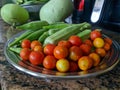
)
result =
(34, 25)
(15, 49)
(43, 36)
(52, 31)
(35, 35)
(56, 26)
(84, 34)
(21, 37)
(13, 56)
(64, 33)
(86, 26)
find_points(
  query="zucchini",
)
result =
(65, 33)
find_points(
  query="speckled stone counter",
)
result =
(13, 79)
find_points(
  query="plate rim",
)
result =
(42, 75)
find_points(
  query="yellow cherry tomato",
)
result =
(62, 65)
(98, 42)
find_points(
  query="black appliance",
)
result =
(105, 13)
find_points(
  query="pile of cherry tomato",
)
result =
(69, 55)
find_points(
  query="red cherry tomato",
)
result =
(75, 53)
(75, 40)
(73, 66)
(95, 34)
(49, 62)
(88, 42)
(36, 58)
(60, 52)
(24, 53)
(25, 43)
(49, 48)
(64, 43)
(86, 49)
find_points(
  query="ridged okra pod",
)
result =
(34, 25)
(21, 37)
(43, 36)
(15, 49)
(84, 34)
(52, 31)
(65, 33)
(35, 35)
(56, 26)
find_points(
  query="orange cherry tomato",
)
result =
(35, 43)
(101, 52)
(75, 53)
(86, 49)
(36, 58)
(107, 46)
(49, 62)
(108, 40)
(25, 43)
(75, 40)
(38, 48)
(64, 43)
(49, 48)
(60, 52)
(95, 57)
(85, 63)
(24, 53)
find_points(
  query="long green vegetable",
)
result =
(34, 25)
(35, 35)
(84, 34)
(14, 57)
(43, 36)
(21, 37)
(15, 49)
(52, 31)
(65, 33)
(29, 2)
(56, 26)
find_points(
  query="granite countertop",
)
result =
(13, 79)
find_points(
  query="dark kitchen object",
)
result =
(82, 10)
(78, 12)
(104, 13)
